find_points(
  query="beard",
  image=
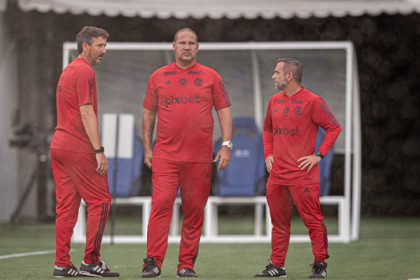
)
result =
(281, 86)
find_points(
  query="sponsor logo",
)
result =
(297, 102)
(286, 111)
(193, 72)
(276, 110)
(279, 101)
(285, 131)
(167, 82)
(178, 100)
(306, 190)
(168, 73)
(183, 83)
(198, 82)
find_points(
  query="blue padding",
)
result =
(324, 165)
(129, 172)
(246, 169)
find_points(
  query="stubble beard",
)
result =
(281, 86)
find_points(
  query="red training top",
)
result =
(290, 129)
(184, 99)
(76, 87)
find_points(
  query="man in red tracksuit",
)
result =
(79, 164)
(182, 95)
(290, 128)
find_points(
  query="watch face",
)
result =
(228, 144)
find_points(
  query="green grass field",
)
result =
(388, 249)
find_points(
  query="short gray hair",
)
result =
(87, 34)
(292, 65)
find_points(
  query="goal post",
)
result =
(330, 70)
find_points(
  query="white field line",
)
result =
(37, 253)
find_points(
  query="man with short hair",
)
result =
(182, 95)
(79, 164)
(290, 127)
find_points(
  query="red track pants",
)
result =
(75, 177)
(306, 198)
(194, 179)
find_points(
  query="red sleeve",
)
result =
(85, 83)
(220, 96)
(323, 116)
(151, 99)
(268, 133)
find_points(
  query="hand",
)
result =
(308, 162)
(224, 156)
(269, 163)
(148, 157)
(102, 167)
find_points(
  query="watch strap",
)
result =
(100, 150)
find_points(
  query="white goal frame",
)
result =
(348, 204)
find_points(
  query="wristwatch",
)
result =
(318, 154)
(100, 150)
(228, 144)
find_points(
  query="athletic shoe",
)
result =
(100, 269)
(186, 272)
(319, 270)
(272, 271)
(150, 269)
(60, 272)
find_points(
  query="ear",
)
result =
(173, 44)
(85, 46)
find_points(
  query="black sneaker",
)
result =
(60, 272)
(100, 269)
(186, 272)
(150, 270)
(319, 270)
(272, 271)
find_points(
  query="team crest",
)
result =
(298, 111)
(198, 82)
(183, 82)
